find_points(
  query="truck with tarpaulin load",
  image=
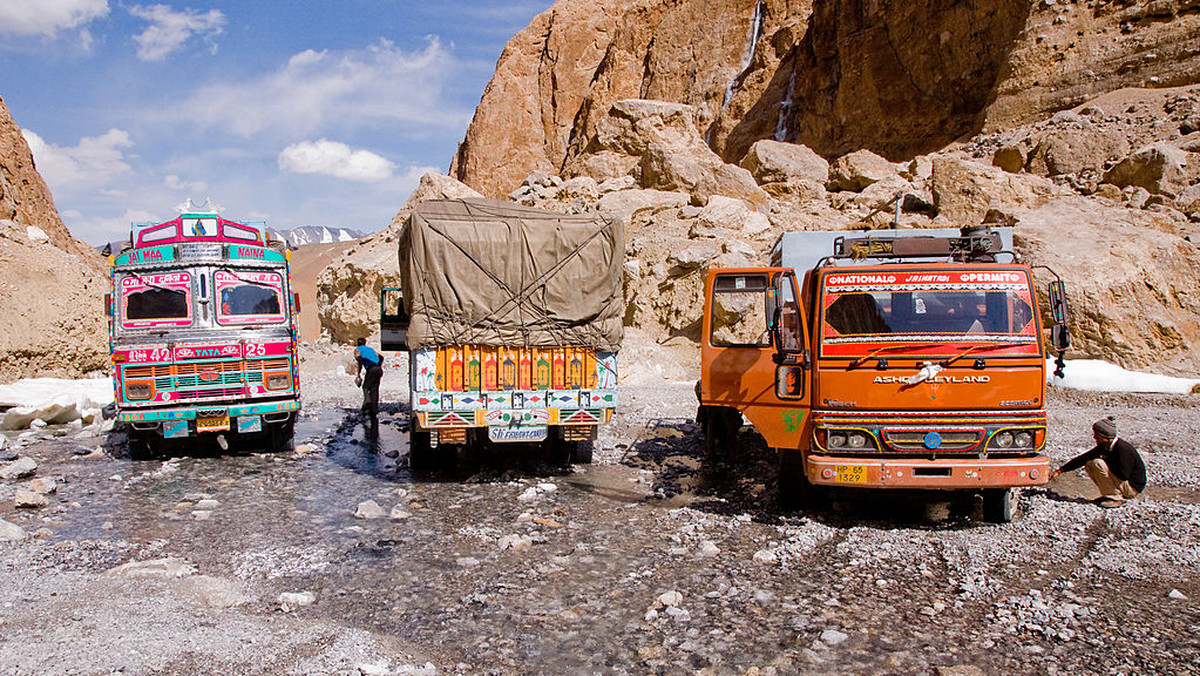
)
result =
(512, 319)
(203, 333)
(886, 360)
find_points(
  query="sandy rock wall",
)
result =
(898, 78)
(52, 285)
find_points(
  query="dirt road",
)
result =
(334, 559)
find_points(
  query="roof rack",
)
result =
(976, 243)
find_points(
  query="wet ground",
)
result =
(653, 560)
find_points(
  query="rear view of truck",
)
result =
(512, 318)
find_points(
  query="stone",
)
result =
(214, 592)
(669, 599)
(1159, 168)
(833, 637)
(368, 509)
(25, 498)
(1177, 595)
(1010, 158)
(857, 170)
(11, 532)
(44, 486)
(770, 161)
(167, 568)
(292, 601)
(18, 469)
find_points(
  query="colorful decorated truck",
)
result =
(885, 362)
(512, 318)
(203, 333)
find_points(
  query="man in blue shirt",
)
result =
(372, 362)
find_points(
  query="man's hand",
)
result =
(1054, 473)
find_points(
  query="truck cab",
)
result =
(203, 338)
(892, 362)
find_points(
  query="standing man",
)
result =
(371, 361)
(1113, 464)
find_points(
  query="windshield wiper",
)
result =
(973, 348)
(247, 281)
(154, 286)
(887, 348)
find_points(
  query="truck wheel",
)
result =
(795, 490)
(142, 445)
(420, 454)
(1000, 504)
(280, 436)
(720, 426)
(581, 452)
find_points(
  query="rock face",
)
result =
(897, 78)
(51, 285)
(348, 289)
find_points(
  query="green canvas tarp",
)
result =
(486, 272)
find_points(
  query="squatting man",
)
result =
(1113, 465)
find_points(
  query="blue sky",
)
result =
(296, 112)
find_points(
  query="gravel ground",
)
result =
(334, 559)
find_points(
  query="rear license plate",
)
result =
(213, 424)
(851, 474)
(528, 433)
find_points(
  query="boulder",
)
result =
(771, 161)
(1159, 168)
(963, 190)
(1010, 158)
(857, 170)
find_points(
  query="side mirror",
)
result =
(108, 304)
(1060, 337)
(772, 302)
(296, 302)
(790, 381)
(1057, 295)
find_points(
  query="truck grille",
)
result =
(952, 439)
(206, 380)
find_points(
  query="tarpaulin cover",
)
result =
(486, 272)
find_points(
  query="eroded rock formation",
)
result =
(51, 285)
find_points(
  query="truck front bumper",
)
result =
(941, 473)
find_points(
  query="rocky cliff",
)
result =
(1079, 124)
(51, 285)
(894, 77)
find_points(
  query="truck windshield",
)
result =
(861, 311)
(246, 297)
(158, 300)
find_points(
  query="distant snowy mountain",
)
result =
(315, 234)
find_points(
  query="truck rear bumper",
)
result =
(190, 412)
(947, 473)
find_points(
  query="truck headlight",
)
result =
(1023, 439)
(837, 439)
(1003, 440)
(278, 381)
(138, 390)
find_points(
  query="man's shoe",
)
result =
(1109, 503)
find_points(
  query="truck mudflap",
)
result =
(947, 473)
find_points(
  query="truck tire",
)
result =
(720, 427)
(581, 452)
(795, 490)
(420, 453)
(143, 445)
(279, 437)
(1000, 504)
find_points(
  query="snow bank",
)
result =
(54, 401)
(1100, 376)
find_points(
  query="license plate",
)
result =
(518, 433)
(215, 424)
(851, 474)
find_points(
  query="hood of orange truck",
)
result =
(928, 385)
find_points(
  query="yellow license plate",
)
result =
(212, 424)
(851, 474)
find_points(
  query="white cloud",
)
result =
(47, 17)
(318, 89)
(175, 183)
(335, 159)
(169, 30)
(92, 162)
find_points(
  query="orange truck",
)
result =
(512, 318)
(889, 360)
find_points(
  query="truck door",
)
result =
(754, 356)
